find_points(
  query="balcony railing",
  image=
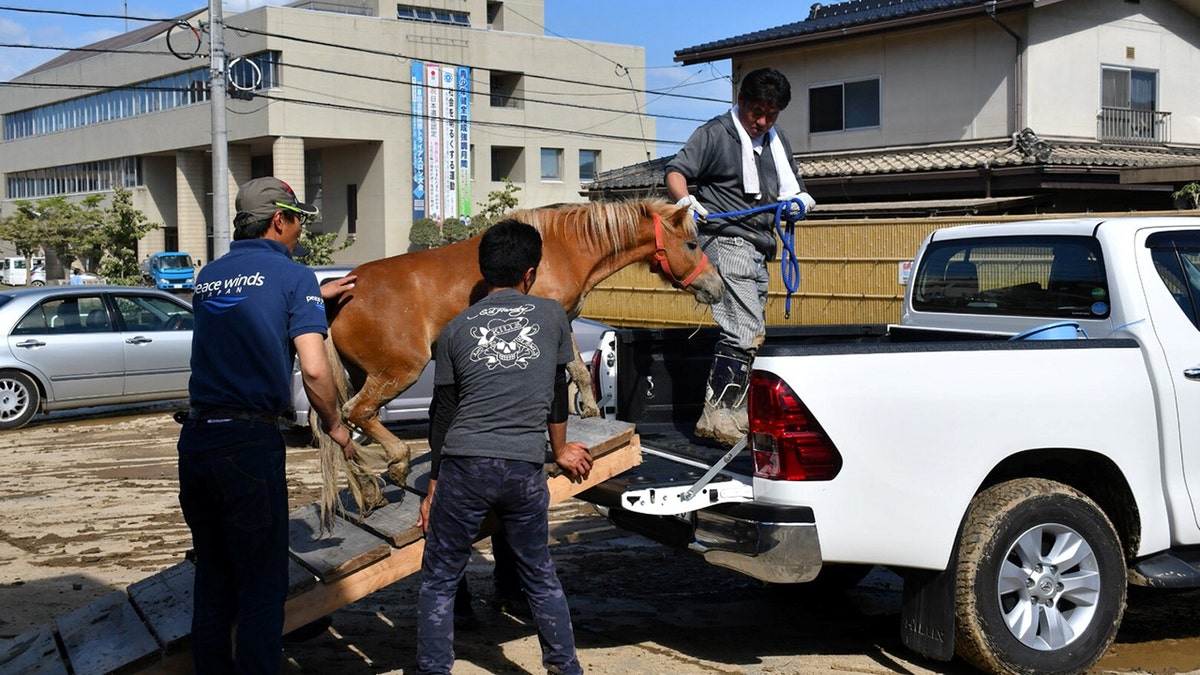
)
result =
(1133, 126)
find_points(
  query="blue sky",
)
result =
(661, 26)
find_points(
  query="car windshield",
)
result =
(176, 262)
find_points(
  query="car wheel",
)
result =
(19, 399)
(1041, 580)
(37, 283)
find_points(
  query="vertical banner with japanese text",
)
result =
(449, 143)
(418, 138)
(441, 141)
(433, 141)
(464, 141)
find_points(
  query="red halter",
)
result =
(660, 257)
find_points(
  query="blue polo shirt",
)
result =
(250, 304)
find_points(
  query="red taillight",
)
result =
(786, 441)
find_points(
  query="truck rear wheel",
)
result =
(1041, 580)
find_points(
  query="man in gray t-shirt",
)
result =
(499, 388)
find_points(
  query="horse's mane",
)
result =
(610, 225)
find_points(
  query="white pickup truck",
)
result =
(1017, 479)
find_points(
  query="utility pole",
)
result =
(220, 137)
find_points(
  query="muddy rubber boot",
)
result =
(724, 417)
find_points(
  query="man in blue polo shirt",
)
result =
(256, 309)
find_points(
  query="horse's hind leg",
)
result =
(362, 411)
(582, 379)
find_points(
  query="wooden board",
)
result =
(401, 562)
(395, 522)
(300, 578)
(32, 652)
(105, 636)
(335, 554)
(165, 601)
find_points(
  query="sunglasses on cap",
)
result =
(305, 218)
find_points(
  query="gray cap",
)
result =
(262, 197)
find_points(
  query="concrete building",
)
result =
(341, 102)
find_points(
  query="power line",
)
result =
(86, 15)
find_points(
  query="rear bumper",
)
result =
(772, 543)
(779, 546)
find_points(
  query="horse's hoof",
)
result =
(589, 411)
(398, 472)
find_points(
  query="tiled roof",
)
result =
(836, 17)
(1027, 150)
(997, 154)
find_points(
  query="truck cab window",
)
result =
(1176, 257)
(1042, 276)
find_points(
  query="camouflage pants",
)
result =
(467, 488)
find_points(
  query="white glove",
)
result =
(696, 209)
(805, 199)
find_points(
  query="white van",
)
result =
(14, 273)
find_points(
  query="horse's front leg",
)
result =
(362, 411)
(582, 379)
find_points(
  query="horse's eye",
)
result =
(693, 245)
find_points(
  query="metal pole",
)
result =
(220, 139)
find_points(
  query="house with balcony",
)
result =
(917, 107)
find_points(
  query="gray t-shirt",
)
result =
(504, 353)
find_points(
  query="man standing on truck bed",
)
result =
(738, 161)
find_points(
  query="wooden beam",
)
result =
(326, 598)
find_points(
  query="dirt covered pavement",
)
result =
(88, 504)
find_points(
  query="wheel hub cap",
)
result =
(1048, 587)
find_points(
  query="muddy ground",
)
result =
(88, 504)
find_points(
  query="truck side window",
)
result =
(1176, 257)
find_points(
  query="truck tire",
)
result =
(1040, 582)
(19, 399)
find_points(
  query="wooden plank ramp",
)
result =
(147, 626)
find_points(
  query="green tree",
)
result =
(1190, 192)
(116, 231)
(500, 202)
(321, 247)
(47, 224)
(425, 233)
(428, 233)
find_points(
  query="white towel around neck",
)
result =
(788, 187)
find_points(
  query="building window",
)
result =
(351, 210)
(76, 178)
(552, 164)
(1129, 106)
(165, 93)
(314, 181)
(495, 15)
(431, 15)
(589, 165)
(508, 163)
(844, 106)
(506, 89)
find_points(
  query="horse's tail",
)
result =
(364, 485)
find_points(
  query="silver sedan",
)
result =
(78, 346)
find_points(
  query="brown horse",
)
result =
(385, 328)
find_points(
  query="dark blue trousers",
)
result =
(233, 491)
(467, 488)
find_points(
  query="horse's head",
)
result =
(678, 257)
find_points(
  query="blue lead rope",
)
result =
(789, 266)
